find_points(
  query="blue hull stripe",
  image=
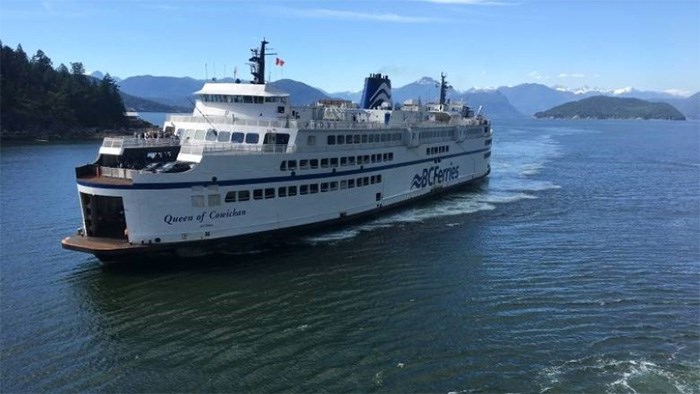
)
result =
(276, 179)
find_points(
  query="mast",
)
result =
(257, 63)
(443, 88)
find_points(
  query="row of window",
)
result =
(363, 138)
(226, 98)
(288, 191)
(487, 142)
(436, 134)
(305, 164)
(437, 149)
(236, 137)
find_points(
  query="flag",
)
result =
(279, 62)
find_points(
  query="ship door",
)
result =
(104, 216)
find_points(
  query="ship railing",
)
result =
(228, 120)
(111, 172)
(116, 145)
(202, 149)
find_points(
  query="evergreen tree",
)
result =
(36, 97)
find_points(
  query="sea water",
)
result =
(575, 268)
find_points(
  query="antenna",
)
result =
(206, 72)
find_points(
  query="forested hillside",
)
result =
(36, 98)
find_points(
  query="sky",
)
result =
(334, 45)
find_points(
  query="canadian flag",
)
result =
(279, 62)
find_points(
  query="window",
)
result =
(244, 195)
(487, 155)
(257, 194)
(356, 139)
(198, 201)
(313, 188)
(230, 197)
(334, 162)
(224, 136)
(214, 200)
(351, 183)
(334, 185)
(270, 192)
(311, 140)
(324, 187)
(364, 138)
(331, 140)
(303, 164)
(282, 191)
(292, 165)
(237, 137)
(292, 191)
(366, 159)
(211, 135)
(343, 185)
(343, 161)
(351, 160)
(199, 135)
(283, 166)
(379, 178)
(252, 138)
(280, 110)
(304, 189)
(348, 138)
(341, 139)
(313, 163)
(324, 163)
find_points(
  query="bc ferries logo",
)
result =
(434, 176)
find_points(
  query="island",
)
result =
(604, 107)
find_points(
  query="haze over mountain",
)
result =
(504, 102)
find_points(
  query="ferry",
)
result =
(247, 166)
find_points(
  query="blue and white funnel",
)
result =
(377, 91)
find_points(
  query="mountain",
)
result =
(138, 104)
(604, 107)
(301, 93)
(494, 103)
(689, 106)
(166, 90)
(529, 98)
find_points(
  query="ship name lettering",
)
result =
(170, 219)
(227, 214)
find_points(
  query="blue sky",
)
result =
(648, 45)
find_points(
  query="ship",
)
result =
(248, 166)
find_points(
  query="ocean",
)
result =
(574, 268)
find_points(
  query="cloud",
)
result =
(471, 2)
(536, 75)
(575, 75)
(324, 13)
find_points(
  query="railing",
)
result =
(229, 120)
(123, 173)
(200, 149)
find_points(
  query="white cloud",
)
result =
(575, 75)
(324, 13)
(536, 75)
(678, 92)
(471, 2)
